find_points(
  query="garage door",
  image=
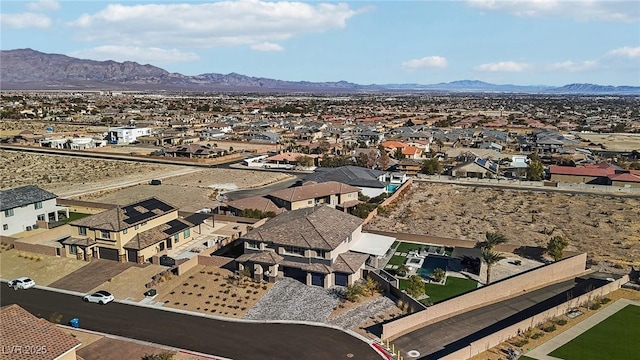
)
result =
(295, 273)
(109, 254)
(132, 255)
(317, 279)
(341, 279)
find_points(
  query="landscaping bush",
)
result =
(605, 300)
(562, 322)
(521, 343)
(549, 328)
(537, 335)
(595, 306)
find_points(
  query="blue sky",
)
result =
(537, 42)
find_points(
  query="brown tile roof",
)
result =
(157, 234)
(349, 262)
(79, 241)
(312, 191)
(124, 217)
(255, 202)
(317, 268)
(21, 329)
(321, 227)
(264, 257)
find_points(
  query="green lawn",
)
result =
(74, 216)
(437, 293)
(405, 247)
(614, 338)
(397, 260)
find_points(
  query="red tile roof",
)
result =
(592, 170)
(626, 177)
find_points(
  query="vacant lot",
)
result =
(191, 191)
(619, 142)
(43, 269)
(64, 175)
(606, 227)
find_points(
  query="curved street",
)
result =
(231, 339)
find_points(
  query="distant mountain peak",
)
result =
(28, 69)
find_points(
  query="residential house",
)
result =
(310, 245)
(595, 174)
(126, 134)
(260, 203)
(134, 232)
(195, 151)
(409, 167)
(478, 168)
(330, 193)
(28, 207)
(26, 336)
(370, 182)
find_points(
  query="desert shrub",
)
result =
(537, 335)
(207, 302)
(561, 322)
(549, 328)
(605, 300)
(595, 306)
(521, 343)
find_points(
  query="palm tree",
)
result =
(490, 257)
(402, 270)
(493, 239)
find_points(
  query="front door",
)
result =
(169, 243)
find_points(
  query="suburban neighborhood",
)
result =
(373, 219)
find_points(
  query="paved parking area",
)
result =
(92, 275)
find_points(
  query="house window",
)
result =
(321, 254)
(186, 233)
(73, 249)
(105, 234)
(125, 231)
(41, 217)
(253, 244)
(309, 202)
(8, 212)
(137, 227)
(176, 238)
(5, 227)
(82, 230)
(294, 250)
(38, 205)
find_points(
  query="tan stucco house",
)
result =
(311, 245)
(134, 232)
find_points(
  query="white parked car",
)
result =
(101, 297)
(22, 282)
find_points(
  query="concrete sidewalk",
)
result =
(541, 351)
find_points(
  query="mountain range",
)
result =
(27, 69)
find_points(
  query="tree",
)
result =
(363, 160)
(353, 292)
(303, 160)
(535, 171)
(431, 167)
(397, 154)
(383, 160)
(494, 238)
(440, 144)
(556, 247)
(371, 286)
(490, 258)
(402, 270)
(415, 287)
(438, 274)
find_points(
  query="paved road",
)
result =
(235, 340)
(444, 337)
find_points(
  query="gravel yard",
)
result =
(43, 269)
(289, 299)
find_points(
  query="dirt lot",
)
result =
(41, 268)
(192, 191)
(606, 227)
(64, 175)
(206, 289)
(619, 142)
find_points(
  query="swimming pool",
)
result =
(391, 188)
(431, 263)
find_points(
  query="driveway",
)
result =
(92, 275)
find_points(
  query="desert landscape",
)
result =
(606, 227)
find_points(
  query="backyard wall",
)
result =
(35, 248)
(390, 288)
(500, 290)
(498, 337)
(404, 187)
